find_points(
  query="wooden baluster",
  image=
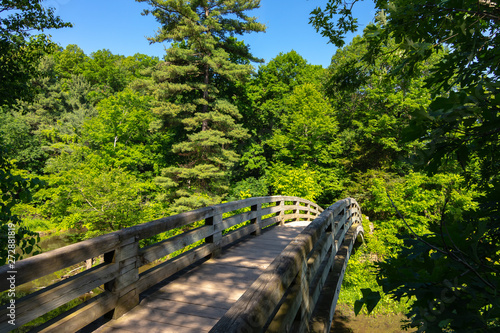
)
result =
(297, 210)
(281, 213)
(216, 238)
(124, 286)
(257, 208)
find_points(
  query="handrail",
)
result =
(123, 258)
(299, 290)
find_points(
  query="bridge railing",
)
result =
(126, 269)
(299, 290)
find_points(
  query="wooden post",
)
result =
(297, 210)
(308, 206)
(258, 230)
(281, 213)
(216, 238)
(124, 286)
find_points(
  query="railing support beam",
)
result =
(124, 286)
(216, 238)
(256, 221)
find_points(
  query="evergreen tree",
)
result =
(191, 88)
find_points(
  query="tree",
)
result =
(204, 59)
(308, 136)
(85, 193)
(121, 133)
(273, 83)
(461, 127)
(15, 239)
(265, 98)
(20, 53)
(373, 107)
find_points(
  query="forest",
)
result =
(404, 120)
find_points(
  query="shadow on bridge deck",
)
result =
(196, 298)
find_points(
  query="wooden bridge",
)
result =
(271, 264)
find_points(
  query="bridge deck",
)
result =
(195, 300)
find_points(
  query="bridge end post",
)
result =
(124, 286)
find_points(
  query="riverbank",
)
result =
(345, 321)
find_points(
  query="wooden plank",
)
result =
(150, 327)
(251, 311)
(259, 301)
(39, 303)
(159, 250)
(49, 262)
(197, 295)
(159, 317)
(325, 307)
(318, 255)
(237, 219)
(270, 221)
(221, 274)
(81, 315)
(282, 321)
(159, 226)
(183, 308)
(159, 273)
(257, 220)
(235, 235)
(144, 319)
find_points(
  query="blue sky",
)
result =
(118, 25)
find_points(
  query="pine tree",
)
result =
(193, 92)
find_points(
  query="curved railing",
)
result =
(299, 290)
(123, 260)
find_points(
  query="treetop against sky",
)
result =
(118, 25)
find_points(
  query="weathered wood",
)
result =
(270, 221)
(237, 219)
(37, 304)
(162, 271)
(253, 309)
(281, 212)
(237, 234)
(256, 209)
(49, 262)
(124, 285)
(322, 316)
(216, 237)
(81, 315)
(159, 226)
(159, 250)
(121, 249)
(283, 320)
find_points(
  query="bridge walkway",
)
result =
(196, 298)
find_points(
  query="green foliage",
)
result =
(247, 188)
(265, 96)
(309, 128)
(300, 181)
(84, 193)
(308, 137)
(20, 53)
(121, 132)
(374, 108)
(204, 63)
(459, 128)
(15, 188)
(273, 83)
